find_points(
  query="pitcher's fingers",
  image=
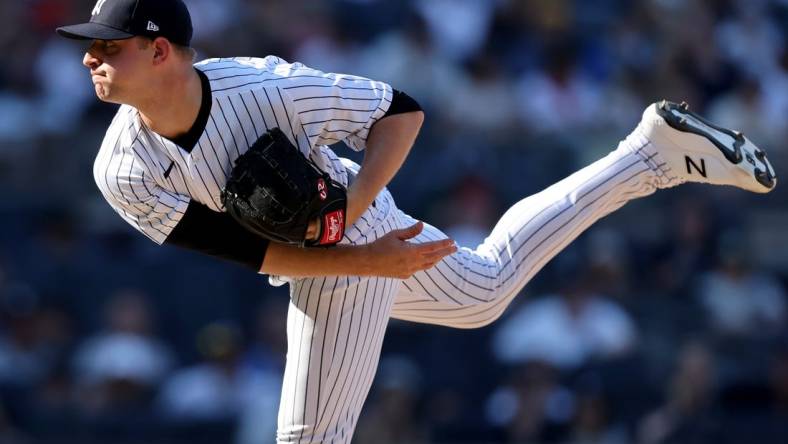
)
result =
(431, 246)
(430, 262)
(409, 232)
(427, 265)
(437, 255)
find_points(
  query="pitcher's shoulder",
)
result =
(238, 74)
(123, 130)
(217, 67)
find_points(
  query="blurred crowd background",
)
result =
(665, 323)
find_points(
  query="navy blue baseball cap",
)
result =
(124, 19)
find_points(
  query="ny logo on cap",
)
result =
(97, 8)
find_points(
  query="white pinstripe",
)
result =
(335, 326)
(250, 96)
(472, 288)
(466, 290)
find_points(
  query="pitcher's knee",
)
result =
(476, 319)
(492, 317)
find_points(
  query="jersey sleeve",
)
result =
(148, 207)
(334, 107)
(175, 219)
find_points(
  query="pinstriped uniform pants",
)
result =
(336, 325)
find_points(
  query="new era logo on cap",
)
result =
(152, 26)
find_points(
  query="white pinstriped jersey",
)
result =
(150, 180)
(336, 325)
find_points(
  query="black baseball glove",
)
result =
(274, 191)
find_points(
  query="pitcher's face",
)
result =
(118, 68)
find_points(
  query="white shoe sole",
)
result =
(700, 151)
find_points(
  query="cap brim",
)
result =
(91, 31)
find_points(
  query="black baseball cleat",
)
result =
(699, 151)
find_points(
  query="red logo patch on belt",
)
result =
(321, 188)
(333, 227)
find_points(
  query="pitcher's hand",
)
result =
(313, 229)
(393, 256)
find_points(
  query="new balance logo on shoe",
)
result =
(700, 169)
(152, 26)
